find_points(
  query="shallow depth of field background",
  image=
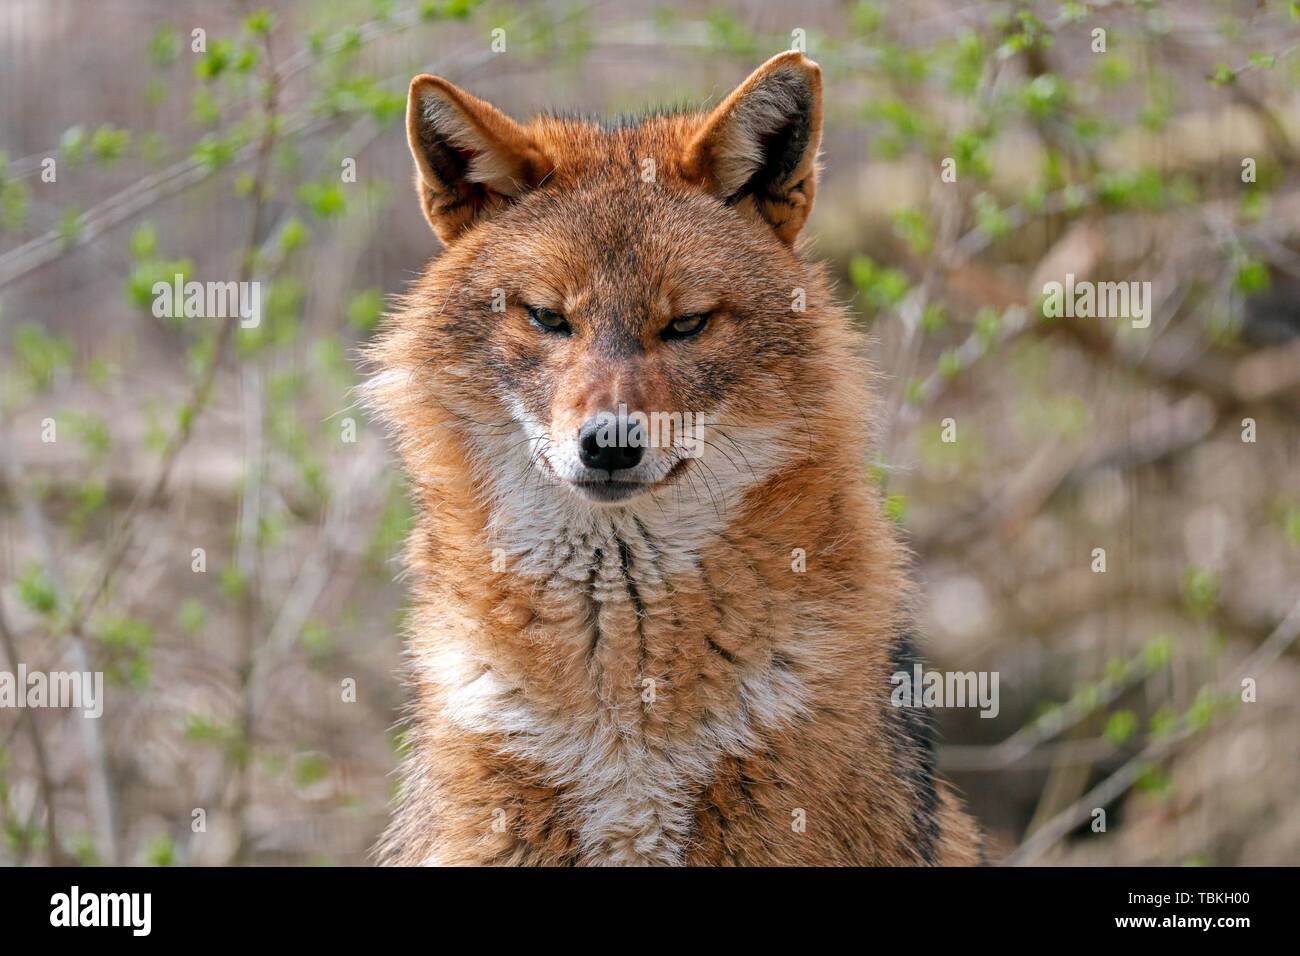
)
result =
(1120, 690)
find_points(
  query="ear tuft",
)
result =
(758, 149)
(470, 158)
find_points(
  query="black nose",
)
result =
(610, 443)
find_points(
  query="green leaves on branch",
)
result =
(880, 287)
(40, 356)
(165, 46)
(36, 591)
(324, 199)
(1251, 276)
(106, 145)
(150, 268)
(362, 94)
(14, 197)
(365, 310)
(128, 643)
(225, 57)
(1143, 189)
(225, 735)
(1201, 588)
(912, 225)
(448, 9)
(1024, 32)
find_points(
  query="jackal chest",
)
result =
(625, 687)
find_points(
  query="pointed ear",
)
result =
(758, 150)
(470, 158)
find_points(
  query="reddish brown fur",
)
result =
(709, 607)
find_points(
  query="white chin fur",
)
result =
(546, 525)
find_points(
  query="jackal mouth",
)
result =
(611, 490)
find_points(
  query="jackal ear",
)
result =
(470, 158)
(758, 149)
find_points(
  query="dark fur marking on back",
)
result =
(914, 744)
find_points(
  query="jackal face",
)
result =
(616, 306)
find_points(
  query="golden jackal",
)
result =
(656, 604)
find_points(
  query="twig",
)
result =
(946, 258)
(1053, 468)
(184, 174)
(1029, 738)
(314, 574)
(179, 176)
(248, 551)
(150, 495)
(54, 849)
(1110, 789)
(102, 798)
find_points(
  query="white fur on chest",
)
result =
(630, 803)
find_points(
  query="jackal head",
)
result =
(619, 308)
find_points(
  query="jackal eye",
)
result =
(548, 320)
(686, 326)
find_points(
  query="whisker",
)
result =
(725, 455)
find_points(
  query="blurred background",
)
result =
(1115, 529)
